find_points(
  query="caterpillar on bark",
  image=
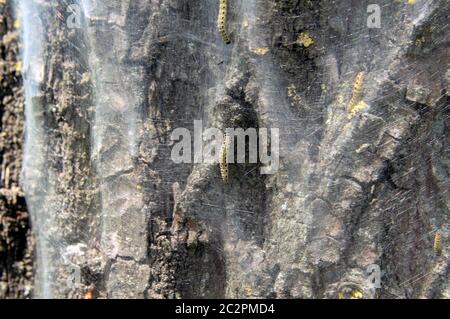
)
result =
(222, 21)
(223, 164)
(358, 84)
(437, 245)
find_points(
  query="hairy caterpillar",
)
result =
(222, 21)
(357, 90)
(437, 243)
(224, 158)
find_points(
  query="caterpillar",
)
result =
(437, 243)
(223, 164)
(357, 90)
(222, 21)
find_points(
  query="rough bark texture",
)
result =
(15, 235)
(357, 185)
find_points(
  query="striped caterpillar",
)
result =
(437, 243)
(357, 90)
(223, 164)
(222, 21)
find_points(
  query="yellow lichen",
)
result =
(291, 90)
(261, 50)
(292, 93)
(85, 78)
(419, 41)
(305, 39)
(18, 66)
(17, 24)
(411, 2)
(356, 294)
(248, 291)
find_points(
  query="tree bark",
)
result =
(16, 244)
(358, 184)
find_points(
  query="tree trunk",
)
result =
(15, 236)
(363, 173)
